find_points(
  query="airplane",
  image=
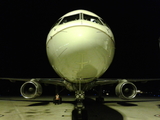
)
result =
(80, 47)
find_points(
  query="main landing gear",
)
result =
(79, 112)
(100, 99)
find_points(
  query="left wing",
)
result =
(125, 89)
(105, 81)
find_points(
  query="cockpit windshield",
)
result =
(92, 19)
(80, 16)
(70, 18)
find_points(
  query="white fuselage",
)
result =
(80, 50)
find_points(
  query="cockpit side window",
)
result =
(56, 23)
(104, 23)
(70, 18)
(92, 19)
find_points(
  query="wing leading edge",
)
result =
(32, 88)
(105, 81)
(61, 81)
(54, 81)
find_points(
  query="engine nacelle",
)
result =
(31, 89)
(126, 90)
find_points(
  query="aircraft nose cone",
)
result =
(76, 50)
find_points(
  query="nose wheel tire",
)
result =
(77, 115)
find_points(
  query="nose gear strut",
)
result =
(79, 113)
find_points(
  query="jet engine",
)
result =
(126, 90)
(31, 89)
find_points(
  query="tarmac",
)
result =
(113, 108)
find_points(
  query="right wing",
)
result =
(32, 87)
(54, 81)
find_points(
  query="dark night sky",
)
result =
(25, 25)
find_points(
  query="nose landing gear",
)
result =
(79, 112)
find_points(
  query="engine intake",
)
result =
(31, 89)
(126, 90)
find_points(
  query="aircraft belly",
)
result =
(83, 53)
